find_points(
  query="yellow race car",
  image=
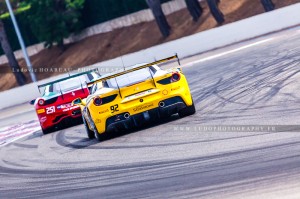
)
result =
(132, 97)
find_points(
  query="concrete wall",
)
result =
(128, 20)
(187, 46)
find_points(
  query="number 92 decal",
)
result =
(114, 108)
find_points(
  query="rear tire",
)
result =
(46, 131)
(89, 133)
(189, 110)
(96, 134)
(93, 126)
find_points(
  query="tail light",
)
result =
(175, 77)
(97, 101)
(41, 102)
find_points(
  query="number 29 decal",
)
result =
(114, 108)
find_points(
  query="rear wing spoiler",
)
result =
(114, 75)
(69, 77)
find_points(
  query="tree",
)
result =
(268, 5)
(215, 11)
(159, 16)
(194, 8)
(54, 20)
(12, 61)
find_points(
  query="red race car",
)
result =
(54, 109)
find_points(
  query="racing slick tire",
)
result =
(46, 131)
(95, 131)
(189, 110)
(97, 135)
(89, 133)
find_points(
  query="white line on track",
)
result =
(228, 52)
(15, 132)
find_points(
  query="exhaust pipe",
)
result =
(126, 115)
(161, 104)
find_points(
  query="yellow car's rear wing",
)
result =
(114, 75)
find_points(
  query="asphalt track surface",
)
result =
(256, 85)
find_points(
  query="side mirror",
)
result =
(77, 101)
(32, 102)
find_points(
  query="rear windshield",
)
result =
(70, 84)
(131, 78)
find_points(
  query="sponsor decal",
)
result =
(63, 106)
(103, 111)
(67, 107)
(130, 97)
(97, 121)
(138, 94)
(142, 107)
(176, 88)
(71, 108)
(40, 111)
(165, 92)
(43, 119)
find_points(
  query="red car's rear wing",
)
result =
(69, 77)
